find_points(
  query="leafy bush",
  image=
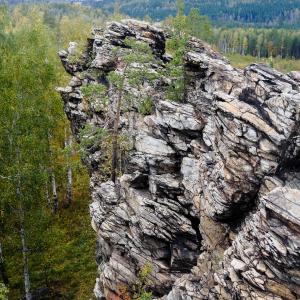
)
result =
(91, 138)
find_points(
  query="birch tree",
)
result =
(25, 79)
(69, 175)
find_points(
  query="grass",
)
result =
(283, 65)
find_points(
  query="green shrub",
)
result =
(146, 107)
(141, 287)
(91, 137)
(174, 69)
(96, 96)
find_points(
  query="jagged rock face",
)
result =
(264, 258)
(210, 193)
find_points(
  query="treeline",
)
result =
(283, 43)
(245, 13)
(225, 13)
(258, 42)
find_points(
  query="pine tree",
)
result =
(133, 70)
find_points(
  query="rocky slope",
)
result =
(210, 193)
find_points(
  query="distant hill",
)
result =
(225, 13)
(259, 13)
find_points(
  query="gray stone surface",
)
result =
(210, 194)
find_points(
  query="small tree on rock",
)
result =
(134, 70)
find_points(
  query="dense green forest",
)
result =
(267, 13)
(46, 243)
(258, 42)
(254, 41)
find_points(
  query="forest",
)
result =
(46, 243)
(42, 180)
(258, 42)
(223, 13)
(245, 13)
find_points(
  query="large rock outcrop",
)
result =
(210, 194)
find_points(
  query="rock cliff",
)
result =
(210, 191)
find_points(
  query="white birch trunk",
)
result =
(53, 181)
(23, 242)
(54, 192)
(47, 194)
(28, 295)
(69, 194)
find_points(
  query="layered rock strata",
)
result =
(209, 196)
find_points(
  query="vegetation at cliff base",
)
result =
(46, 241)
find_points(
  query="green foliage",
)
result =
(71, 256)
(182, 28)
(140, 290)
(96, 138)
(116, 78)
(96, 96)
(91, 138)
(275, 13)
(77, 55)
(258, 42)
(136, 52)
(174, 69)
(3, 292)
(137, 61)
(143, 283)
(64, 258)
(271, 62)
(4, 17)
(179, 22)
(92, 91)
(117, 15)
(32, 125)
(27, 82)
(283, 65)
(176, 47)
(146, 107)
(134, 64)
(180, 7)
(199, 26)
